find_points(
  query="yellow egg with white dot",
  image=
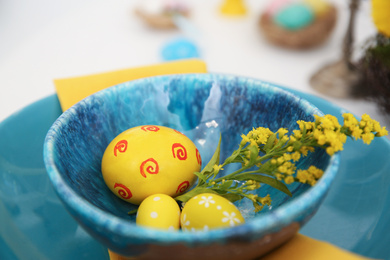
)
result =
(150, 159)
(209, 211)
(159, 211)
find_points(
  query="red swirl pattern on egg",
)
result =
(198, 157)
(179, 151)
(120, 146)
(150, 128)
(183, 187)
(123, 191)
(149, 166)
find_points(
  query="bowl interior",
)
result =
(201, 106)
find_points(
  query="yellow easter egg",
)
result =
(159, 211)
(319, 7)
(146, 160)
(209, 211)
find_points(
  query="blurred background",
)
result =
(44, 40)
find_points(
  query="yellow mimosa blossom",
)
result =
(282, 169)
(306, 149)
(217, 168)
(327, 123)
(317, 133)
(367, 137)
(357, 132)
(282, 131)
(257, 206)
(287, 156)
(377, 126)
(250, 182)
(369, 127)
(295, 156)
(330, 150)
(297, 133)
(245, 139)
(310, 125)
(276, 155)
(343, 137)
(278, 176)
(254, 142)
(380, 15)
(302, 176)
(305, 125)
(350, 121)
(334, 121)
(280, 160)
(289, 179)
(366, 118)
(321, 139)
(291, 171)
(317, 119)
(284, 138)
(262, 139)
(252, 197)
(317, 173)
(301, 124)
(382, 132)
(266, 200)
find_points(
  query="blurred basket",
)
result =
(308, 37)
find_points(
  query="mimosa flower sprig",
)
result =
(268, 157)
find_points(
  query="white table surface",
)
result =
(46, 39)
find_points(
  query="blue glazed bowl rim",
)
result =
(266, 223)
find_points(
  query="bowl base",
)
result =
(243, 250)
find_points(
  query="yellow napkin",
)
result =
(301, 247)
(72, 90)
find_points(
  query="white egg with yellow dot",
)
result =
(209, 211)
(159, 211)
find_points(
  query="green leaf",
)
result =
(304, 131)
(131, 212)
(201, 176)
(266, 180)
(270, 142)
(225, 185)
(254, 153)
(233, 158)
(198, 190)
(232, 197)
(214, 160)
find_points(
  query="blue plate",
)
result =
(35, 225)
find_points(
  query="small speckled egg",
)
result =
(209, 211)
(159, 211)
(147, 160)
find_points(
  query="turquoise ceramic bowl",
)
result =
(202, 106)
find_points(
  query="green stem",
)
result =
(231, 174)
